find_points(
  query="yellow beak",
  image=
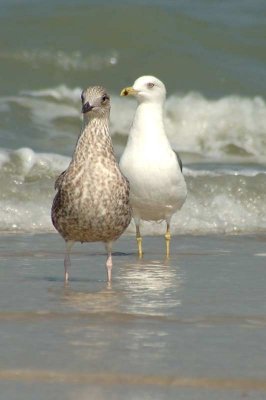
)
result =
(128, 91)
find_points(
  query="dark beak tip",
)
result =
(86, 108)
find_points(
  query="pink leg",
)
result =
(67, 262)
(109, 262)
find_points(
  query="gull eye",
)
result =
(105, 98)
(150, 85)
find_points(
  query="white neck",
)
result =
(148, 120)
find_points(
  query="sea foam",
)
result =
(27, 182)
(215, 129)
(219, 201)
(227, 128)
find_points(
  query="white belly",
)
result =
(157, 189)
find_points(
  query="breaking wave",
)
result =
(223, 200)
(229, 128)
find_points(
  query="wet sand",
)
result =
(191, 327)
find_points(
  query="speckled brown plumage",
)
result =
(92, 200)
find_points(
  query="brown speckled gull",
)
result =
(92, 200)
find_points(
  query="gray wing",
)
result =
(179, 160)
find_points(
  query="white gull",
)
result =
(157, 185)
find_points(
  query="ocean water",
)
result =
(188, 328)
(211, 56)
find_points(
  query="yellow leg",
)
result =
(139, 241)
(167, 240)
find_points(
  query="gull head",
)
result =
(95, 102)
(146, 89)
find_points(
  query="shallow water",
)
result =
(191, 327)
